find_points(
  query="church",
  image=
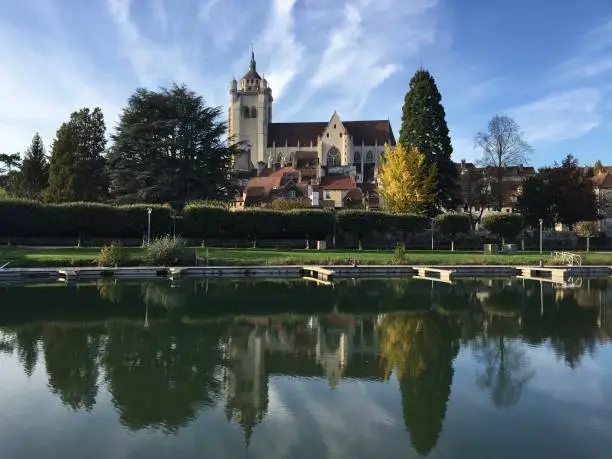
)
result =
(332, 163)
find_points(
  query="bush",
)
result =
(504, 225)
(166, 251)
(290, 204)
(310, 224)
(399, 254)
(453, 224)
(361, 222)
(406, 223)
(204, 221)
(112, 255)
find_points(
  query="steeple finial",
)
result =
(253, 65)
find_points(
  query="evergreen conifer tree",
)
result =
(76, 171)
(34, 170)
(424, 127)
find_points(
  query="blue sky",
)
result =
(547, 63)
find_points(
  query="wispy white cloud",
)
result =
(224, 21)
(366, 42)
(593, 56)
(280, 42)
(560, 116)
(41, 83)
(157, 60)
(159, 12)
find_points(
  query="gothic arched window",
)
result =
(333, 157)
(246, 112)
(253, 112)
(357, 158)
(369, 158)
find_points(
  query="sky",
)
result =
(546, 63)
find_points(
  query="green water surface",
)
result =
(287, 369)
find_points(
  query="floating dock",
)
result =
(447, 274)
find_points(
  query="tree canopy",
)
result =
(407, 180)
(169, 146)
(424, 127)
(76, 171)
(573, 197)
(34, 170)
(503, 145)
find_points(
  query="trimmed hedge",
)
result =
(77, 220)
(20, 218)
(503, 225)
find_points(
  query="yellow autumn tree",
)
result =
(407, 183)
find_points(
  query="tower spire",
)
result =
(253, 64)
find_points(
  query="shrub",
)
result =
(399, 254)
(453, 224)
(310, 224)
(361, 222)
(290, 204)
(166, 251)
(504, 225)
(204, 221)
(406, 223)
(112, 255)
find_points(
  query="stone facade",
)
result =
(314, 149)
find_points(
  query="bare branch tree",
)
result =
(503, 146)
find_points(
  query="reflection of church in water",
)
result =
(330, 347)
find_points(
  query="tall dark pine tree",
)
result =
(34, 169)
(170, 146)
(76, 170)
(424, 126)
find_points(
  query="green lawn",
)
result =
(32, 257)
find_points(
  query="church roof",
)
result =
(367, 132)
(251, 75)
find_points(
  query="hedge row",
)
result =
(79, 220)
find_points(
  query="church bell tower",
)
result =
(250, 111)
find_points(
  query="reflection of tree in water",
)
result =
(71, 358)
(162, 375)
(420, 349)
(27, 341)
(7, 342)
(506, 367)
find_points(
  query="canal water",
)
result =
(287, 369)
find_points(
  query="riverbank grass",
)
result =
(86, 256)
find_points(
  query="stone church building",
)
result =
(310, 158)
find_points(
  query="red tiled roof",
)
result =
(282, 171)
(333, 182)
(259, 186)
(368, 132)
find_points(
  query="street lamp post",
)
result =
(432, 234)
(541, 221)
(149, 210)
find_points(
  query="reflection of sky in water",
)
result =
(541, 408)
(561, 413)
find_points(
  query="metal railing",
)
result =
(571, 259)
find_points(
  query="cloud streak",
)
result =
(560, 116)
(594, 55)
